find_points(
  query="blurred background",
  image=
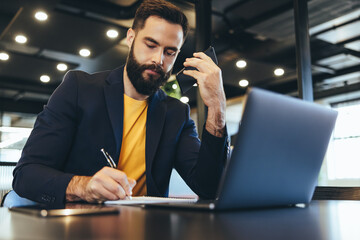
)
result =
(40, 40)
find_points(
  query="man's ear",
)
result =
(130, 36)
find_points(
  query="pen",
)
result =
(112, 164)
(108, 158)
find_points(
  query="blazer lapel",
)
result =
(114, 90)
(154, 125)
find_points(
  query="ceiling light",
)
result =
(243, 83)
(20, 39)
(184, 99)
(174, 86)
(84, 52)
(62, 67)
(45, 78)
(4, 56)
(41, 16)
(279, 72)
(241, 64)
(112, 33)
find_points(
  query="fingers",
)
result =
(200, 61)
(102, 187)
(209, 79)
(199, 76)
(198, 64)
(207, 69)
(98, 193)
(203, 56)
(109, 184)
(121, 178)
(132, 182)
(206, 74)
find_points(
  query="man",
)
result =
(124, 112)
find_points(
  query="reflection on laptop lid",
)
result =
(277, 155)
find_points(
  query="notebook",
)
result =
(277, 155)
(140, 200)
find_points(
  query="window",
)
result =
(342, 164)
(15, 129)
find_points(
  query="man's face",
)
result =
(153, 51)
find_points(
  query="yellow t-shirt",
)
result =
(132, 155)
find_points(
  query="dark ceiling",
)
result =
(259, 31)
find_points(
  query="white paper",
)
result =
(149, 200)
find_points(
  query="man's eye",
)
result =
(150, 46)
(170, 53)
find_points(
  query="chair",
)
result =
(12, 199)
(337, 193)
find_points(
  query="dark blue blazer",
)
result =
(85, 114)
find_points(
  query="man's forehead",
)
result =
(162, 31)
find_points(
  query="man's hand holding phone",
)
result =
(186, 82)
(209, 79)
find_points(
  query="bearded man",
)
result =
(124, 112)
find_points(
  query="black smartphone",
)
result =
(79, 209)
(186, 82)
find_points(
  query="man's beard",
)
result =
(135, 72)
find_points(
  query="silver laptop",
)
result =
(277, 155)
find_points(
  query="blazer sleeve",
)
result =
(38, 175)
(201, 164)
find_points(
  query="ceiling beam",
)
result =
(104, 8)
(235, 5)
(349, 41)
(334, 27)
(352, 52)
(8, 105)
(270, 14)
(337, 91)
(26, 86)
(290, 85)
(13, 19)
(321, 77)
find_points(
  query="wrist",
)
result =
(215, 123)
(75, 190)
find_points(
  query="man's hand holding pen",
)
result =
(107, 184)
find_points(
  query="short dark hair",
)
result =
(162, 9)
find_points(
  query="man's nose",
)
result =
(158, 57)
